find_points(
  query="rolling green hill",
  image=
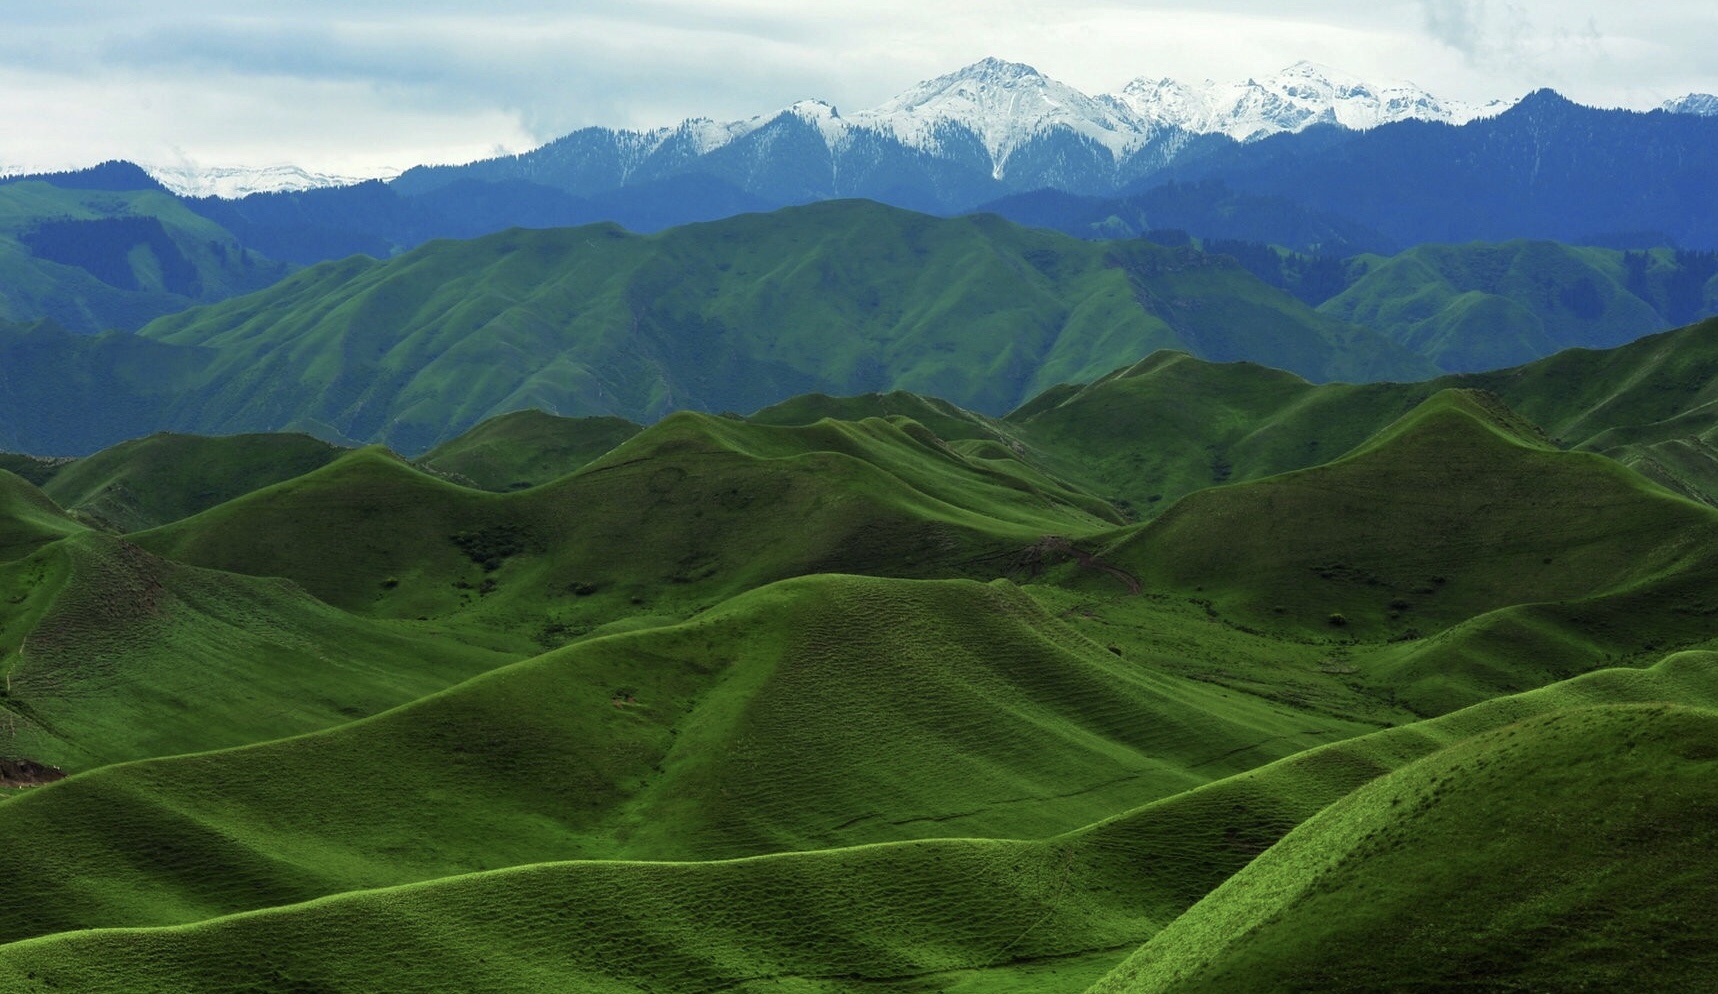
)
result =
(1479, 306)
(1171, 424)
(1565, 852)
(94, 260)
(1456, 510)
(525, 448)
(161, 478)
(824, 711)
(29, 519)
(981, 915)
(875, 693)
(112, 654)
(689, 511)
(838, 297)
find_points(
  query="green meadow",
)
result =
(1197, 676)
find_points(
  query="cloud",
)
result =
(1456, 23)
(334, 78)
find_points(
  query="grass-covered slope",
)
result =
(820, 712)
(111, 654)
(694, 509)
(29, 518)
(161, 478)
(525, 448)
(770, 664)
(1171, 424)
(966, 914)
(94, 260)
(1565, 852)
(1476, 307)
(841, 297)
(1456, 510)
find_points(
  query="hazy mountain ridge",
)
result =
(841, 297)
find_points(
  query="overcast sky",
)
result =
(361, 87)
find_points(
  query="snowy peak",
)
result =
(1294, 99)
(1703, 104)
(1005, 104)
(233, 182)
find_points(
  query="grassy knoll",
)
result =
(950, 423)
(992, 916)
(840, 297)
(161, 478)
(1570, 851)
(524, 449)
(692, 510)
(28, 518)
(1456, 510)
(92, 260)
(824, 711)
(112, 654)
(872, 693)
(1171, 424)
(1480, 306)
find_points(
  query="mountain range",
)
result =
(1007, 103)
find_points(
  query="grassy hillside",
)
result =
(694, 509)
(1456, 510)
(824, 711)
(840, 297)
(873, 693)
(29, 519)
(161, 478)
(980, 915)
(94, 260)
(1565, 852)
(112, 654)
(1476, 307)
(525, 448)
(1171, 424)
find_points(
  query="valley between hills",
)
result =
(1181, 561)
(1196, 676)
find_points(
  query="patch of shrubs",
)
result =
(490, 547)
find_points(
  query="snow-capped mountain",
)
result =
(1002, 119)
(236, 181)
(1296, 98)
(1005, 104)
(1703, 104)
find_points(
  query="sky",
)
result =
(370, 87)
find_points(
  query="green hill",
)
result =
(1171, 424)
(841, 297)
(1479, 306)
(691, 510)
(161, 478)
(29, 518)
(1456, 510)
(823, 711)
(524, 449)
(1566, 852)
(94, 260)
(877, 693)
(984, 915)
(112, 654)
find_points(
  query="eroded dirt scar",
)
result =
(27, 773)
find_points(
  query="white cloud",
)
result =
(335, 86)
